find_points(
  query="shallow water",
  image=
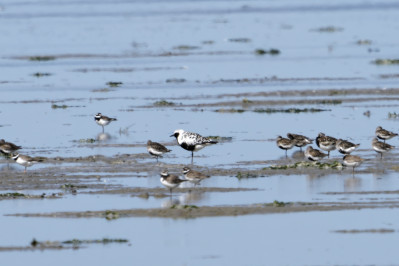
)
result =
(199, 55)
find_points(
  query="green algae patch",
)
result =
(12, 195)
(230, 110)
(164, 103)
(319, 165)
(104, 241)
(386, 61)
(111, 215)
(40, 74)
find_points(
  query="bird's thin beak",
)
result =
(172, 135)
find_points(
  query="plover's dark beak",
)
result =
(172, 135)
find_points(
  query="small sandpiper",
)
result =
(345, 147)
(156, 149)
(301, 140)
(285, 144)
(26, 160)
(103, 120)
(191, 141)
(314, 154)
(352, 160)
(8, 147)
(381, 147)
(326, 143)
(384, 134)
(170, 181)
(194, 176)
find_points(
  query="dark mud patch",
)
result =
(36, 245)
(192, 211)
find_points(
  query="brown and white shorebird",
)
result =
(326, 143)
(352, 160)
(170, 181)
(345, 147)
(314, 154)
(156, 149)
(191, 141)
(384, 134)
(103, 120)
(285, 144)
(26, 160)
(381, 147)
(194, 176)
(8, 147)
(301, 140)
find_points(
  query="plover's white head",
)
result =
(177, 133)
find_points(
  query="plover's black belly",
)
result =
(187, 147)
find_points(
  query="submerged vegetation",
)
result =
(270, 51)
(386, 61)
(41, 58)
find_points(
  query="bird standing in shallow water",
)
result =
(103, 120)
(26, 160)
(384, 134)
(8, 148)
(156, 149)
(301, 140)
(170, 181)
(326, 143)
(381, 147)
(345, 147)
(352, 160)
(285, 144)
(194, 176)
(191, 141)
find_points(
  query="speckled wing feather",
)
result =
(192, 139)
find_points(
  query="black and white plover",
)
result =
(156, 149)
(314, 154)
(194, 176)
(384, 134)
(26, 160)
(103, 120)
(301, 140)
(170, 181)
(326, 143)
(345, 147)
(353, 161)
(285, 144)
(191, 141)
(381, 147)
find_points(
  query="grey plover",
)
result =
(384, 134)
(381, 147)
(301, 140)
(156, 149)
(191, 141)
(170, 181)
(326, 143)
(314, 154)
(353, 161)
(25, 160)
(103, 120)
(194, 176)
(345, 147)
(8, 147)
(285, 144)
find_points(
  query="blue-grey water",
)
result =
(148, 46)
